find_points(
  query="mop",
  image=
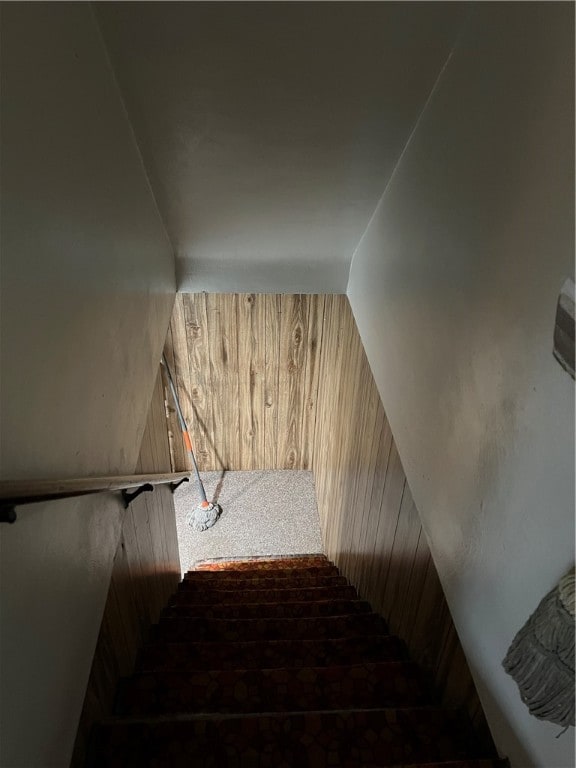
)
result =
(541, 657)
(206, 513)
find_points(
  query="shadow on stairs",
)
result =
(278, 663)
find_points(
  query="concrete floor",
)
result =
(264, 513)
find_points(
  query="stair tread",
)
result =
(385, 736)
(207, 629)
(470, 763)
(265, 595)
(275, 664)
(269, 610)
(373, 684)
(271, 653)
(258, 573)
(263, 563)
(265, 582)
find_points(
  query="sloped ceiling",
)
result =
(269, 130)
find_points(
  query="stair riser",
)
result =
(207, 630)
(312, 740)
(462, 764)
(259, 573)
(246, 691)
(269, 610)
(270, 655)
(265, 582)
(215, 597)
(293, 563)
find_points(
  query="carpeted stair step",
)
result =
(269, 610)
(270, 654)
(300, 595)
(266, 564)
(360, 686)
(195, 629)
(488, 763)
(203, 577)
(266, 582)
(349, 739)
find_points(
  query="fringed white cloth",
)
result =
(541, 657)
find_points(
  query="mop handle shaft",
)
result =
(184, 428)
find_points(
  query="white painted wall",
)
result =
(454, 287)
(87, 289)
(87, 268)
(269, 129)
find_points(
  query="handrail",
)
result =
(18, 492)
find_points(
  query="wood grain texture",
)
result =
(370, 524)
(248, 383)
(145, 573)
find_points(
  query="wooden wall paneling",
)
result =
(427, 629)
(364, 433)
(139, 577)
(218, 378)
(251, 374)
(319, 449)
(408, 610)
(293, 340)
(387, 521)
(145, 572)
(402, 558)
(232, 396)
(348, 411)
(176, 351)
(337, 424)
(272, 318)
(225, 423)
(367, 540)
(198, 381)
(123, 624)
(366, 511)
(311, 377)
(451, 671)
(247, 368)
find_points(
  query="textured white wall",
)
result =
(454, 287)
(87, 269)
(87, 289)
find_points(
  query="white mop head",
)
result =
(204, 516)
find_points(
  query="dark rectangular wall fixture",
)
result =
(564, 327)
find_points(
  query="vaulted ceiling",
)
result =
(269, 130)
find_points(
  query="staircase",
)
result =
(278, 663)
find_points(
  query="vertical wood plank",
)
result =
(272, 314)
(176, 351)
(311, 377)
(401, 559)
(197, 402)
(251, 375)
(222, 391)
(293, 327)
(231, 424)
